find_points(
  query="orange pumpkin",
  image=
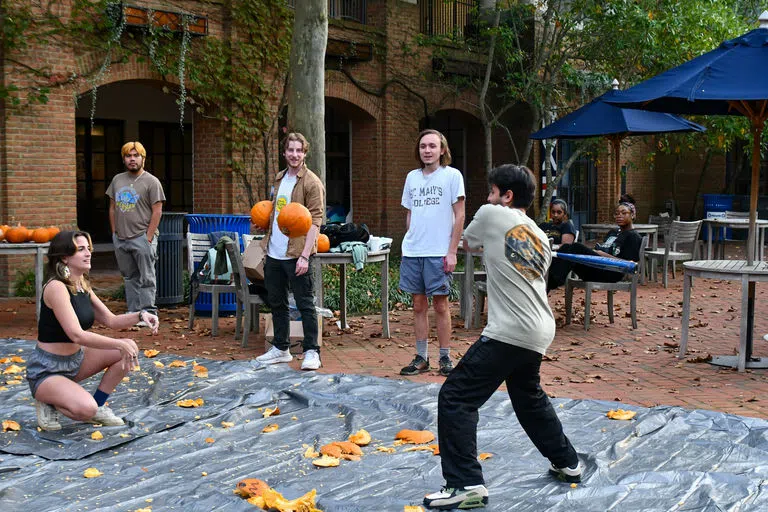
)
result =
(2, 234)
(17, 234)
(41, 235)
(52, 232)
(251, 487)
(294, 220)
(323, 243)
(260, 214)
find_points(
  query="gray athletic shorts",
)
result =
(424, 276)
(42, 364)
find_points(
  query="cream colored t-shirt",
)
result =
(517, 255)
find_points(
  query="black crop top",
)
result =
(49, 329)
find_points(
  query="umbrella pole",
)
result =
(616, 141)
(757, 132)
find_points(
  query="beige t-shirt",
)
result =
(517, 255)
(134, 197)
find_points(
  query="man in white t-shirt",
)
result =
(520, 328)
(434, 197)
(289, 260)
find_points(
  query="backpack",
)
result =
(207, 264)
(338, 233)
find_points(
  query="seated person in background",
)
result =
(622, 243)
(560, 228)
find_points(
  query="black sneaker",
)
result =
(572, 475)
(472, 496)
(446, 366)
(417, 366)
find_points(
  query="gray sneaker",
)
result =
(47, 416)
(471, 496)
(105, 416)
(417, 366)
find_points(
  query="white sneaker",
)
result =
(275, 355)
(571, 474)
(311, 360)
(471, 496)
(105, 416)
(141, 323)
(47, 416)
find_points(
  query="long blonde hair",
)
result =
(445, 156)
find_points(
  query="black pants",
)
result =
(559, 269)
(480, 372)
(278, 275)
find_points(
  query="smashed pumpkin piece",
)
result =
(92, 473)
(14, 368)
(412, 508)
(435, 449)
(273, 500)
(17, 359)
(385, 449)
(331, 450)
(326, 461)
(360, 438)
(415, 436)
(200, 371)
(197, 402)
(4, 360)
(158, 364)
(210, 440)
(150, 352)
(621, 414)
(11, 425)
(270, 428)
(97, 436)
(484, 456)
(270, 412)
(251, 487)
(178, 363)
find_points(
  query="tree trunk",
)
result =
(306, 99)
(485, 118)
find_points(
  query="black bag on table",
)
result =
(338, 233)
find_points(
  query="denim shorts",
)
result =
(42, 364)
(424, 276)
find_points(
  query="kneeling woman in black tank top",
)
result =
(67, 352)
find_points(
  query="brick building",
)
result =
(55, 164)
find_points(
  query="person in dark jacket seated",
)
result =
(622, 243)
(560, 228)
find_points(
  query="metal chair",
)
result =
(680, 232)
(197, 247)
(721, 239)
(245, 300)
(629, 284)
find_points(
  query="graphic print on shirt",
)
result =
(126, 199)
(422, 197)
(281, 201)
(524, 250)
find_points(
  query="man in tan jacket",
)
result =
(289, 260)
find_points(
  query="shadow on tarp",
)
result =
(668, 458)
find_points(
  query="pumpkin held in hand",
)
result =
(294, 220)
(323, 243)
(260, 214)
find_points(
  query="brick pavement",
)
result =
(610, 362)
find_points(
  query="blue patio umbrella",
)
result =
(599, 118)
(729, 80)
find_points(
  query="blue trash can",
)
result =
(208, 223)
(168, 269)
(715, 206)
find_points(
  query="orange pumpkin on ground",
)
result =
(17, 235)
(260, 214)
(41, 235)
(323, 243)
(294, 220)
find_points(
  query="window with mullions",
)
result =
(169, 157)
(98, 160)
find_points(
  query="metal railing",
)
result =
(448, 18)
(353, 10)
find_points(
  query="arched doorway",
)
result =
(130, 110)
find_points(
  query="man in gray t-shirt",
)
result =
(135, 207)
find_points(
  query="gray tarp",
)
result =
(668, 458)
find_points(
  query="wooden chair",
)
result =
(680, 232)
(197, 246)
(245, 300)
(628, 284)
